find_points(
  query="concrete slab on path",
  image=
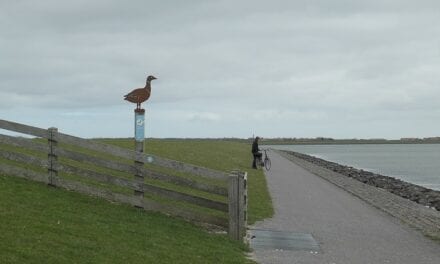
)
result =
(264, 239)
(345, 228)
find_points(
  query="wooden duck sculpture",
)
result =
(140, 95)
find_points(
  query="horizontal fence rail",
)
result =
(59, 161)
(24, 143)
(116, 151)
(129, 168)
(24, 129)
(23, 158)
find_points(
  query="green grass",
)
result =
(44, 224)
(41, 224)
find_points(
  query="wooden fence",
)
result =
(175, 188)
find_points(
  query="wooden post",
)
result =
(237, 196)
(242, 190)
(139, 139)
(52, 155)
(233, 193)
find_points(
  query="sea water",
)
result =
(415, 163)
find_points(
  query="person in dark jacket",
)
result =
(256, 152)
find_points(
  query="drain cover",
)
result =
(281, 240)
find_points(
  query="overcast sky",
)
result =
(339, 68)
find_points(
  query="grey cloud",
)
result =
(285, 58)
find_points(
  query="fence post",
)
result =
(242, 187)
(237, 196)
(233, 208)
(52, 155)
(139, 140)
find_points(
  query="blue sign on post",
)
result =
(139, 126)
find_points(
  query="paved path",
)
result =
(347, 229)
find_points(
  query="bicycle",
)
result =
(266, 163)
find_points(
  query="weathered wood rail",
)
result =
(107, 171)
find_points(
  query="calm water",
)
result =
(418, 164)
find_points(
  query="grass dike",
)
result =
(42, 224)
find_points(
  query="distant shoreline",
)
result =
(305, 141)
(345, 142)
(296, 142)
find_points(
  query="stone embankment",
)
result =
(418, 194)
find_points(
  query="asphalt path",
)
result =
(347, 229)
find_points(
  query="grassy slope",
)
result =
(43, 224)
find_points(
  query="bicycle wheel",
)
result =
(267, 163)
(257, 164)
